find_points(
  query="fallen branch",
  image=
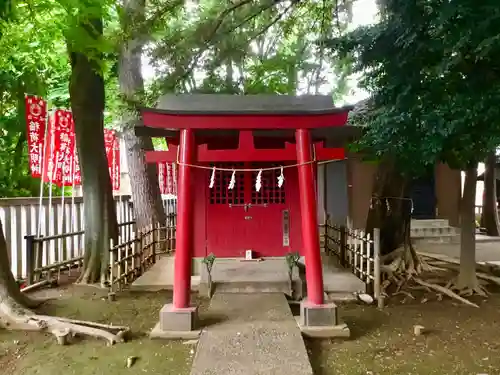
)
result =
(444, 290)
(15, 317)
(94, 324)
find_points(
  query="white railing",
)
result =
(21, 217)
(62, 221)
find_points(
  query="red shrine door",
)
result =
(243, 218)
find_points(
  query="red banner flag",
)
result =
(161, 177)
(77, 176)
(49, 154)
(36, 117)
(63, 148)
(174, 178)
(166, 178)
(112, 145)
(61, 161)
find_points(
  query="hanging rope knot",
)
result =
(212, 178)
(281, 178)
(258, 182)
(233, 181)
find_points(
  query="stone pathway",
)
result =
(250, 334)
(485, 251)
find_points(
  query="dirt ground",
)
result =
(38, 354)
(461, 340)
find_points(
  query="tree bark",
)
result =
(489, 217)
(9, 290)
(467, 279)
(148, 205)
(86, 90)
(390, 210)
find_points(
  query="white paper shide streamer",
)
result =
(212, 178)
(233, 181)
(258, 181)
(281, 178)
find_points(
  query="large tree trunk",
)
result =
(86, 90)
(489, 217)
(9, 290)
(467, 280)
(148, 205)
(390, 210)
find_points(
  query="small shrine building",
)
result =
(247, 177)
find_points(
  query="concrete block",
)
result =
(318, 315)
(325, 332)
(173, 319)
(158, 333)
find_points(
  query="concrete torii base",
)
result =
(177, 324)
(321, 321)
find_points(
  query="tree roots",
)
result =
(15, 317)
(403, 269)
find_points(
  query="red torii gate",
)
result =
(255, 128)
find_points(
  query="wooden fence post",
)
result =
(156, 241)
(38, 256)
(141, 251)
(111, 268)
(30, 259)
(343, 245)
(376, 260)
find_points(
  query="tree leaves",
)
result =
(432, 68)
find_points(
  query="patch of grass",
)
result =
(31, 353)
(461, 340)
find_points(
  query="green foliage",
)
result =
(292, 260)
(433, 70)
(208, 261)
(34, 60)
(251, 47)
(243, 47)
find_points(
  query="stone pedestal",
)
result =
(321, 321)
(177, 323)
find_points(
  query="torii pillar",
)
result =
(179, 319)
(314, 312)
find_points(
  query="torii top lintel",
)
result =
(244, 112)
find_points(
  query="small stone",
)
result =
(131, 361)
(418, 330)
(16, 342)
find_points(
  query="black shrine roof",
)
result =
(263, 104)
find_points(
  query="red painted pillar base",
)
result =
(184, 232)
(310, 231)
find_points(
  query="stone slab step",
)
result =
(252, 287)
(434, 232)
(430, 223)
(256, 334)
(436, 240)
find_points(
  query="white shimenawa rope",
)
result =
(281, 167)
